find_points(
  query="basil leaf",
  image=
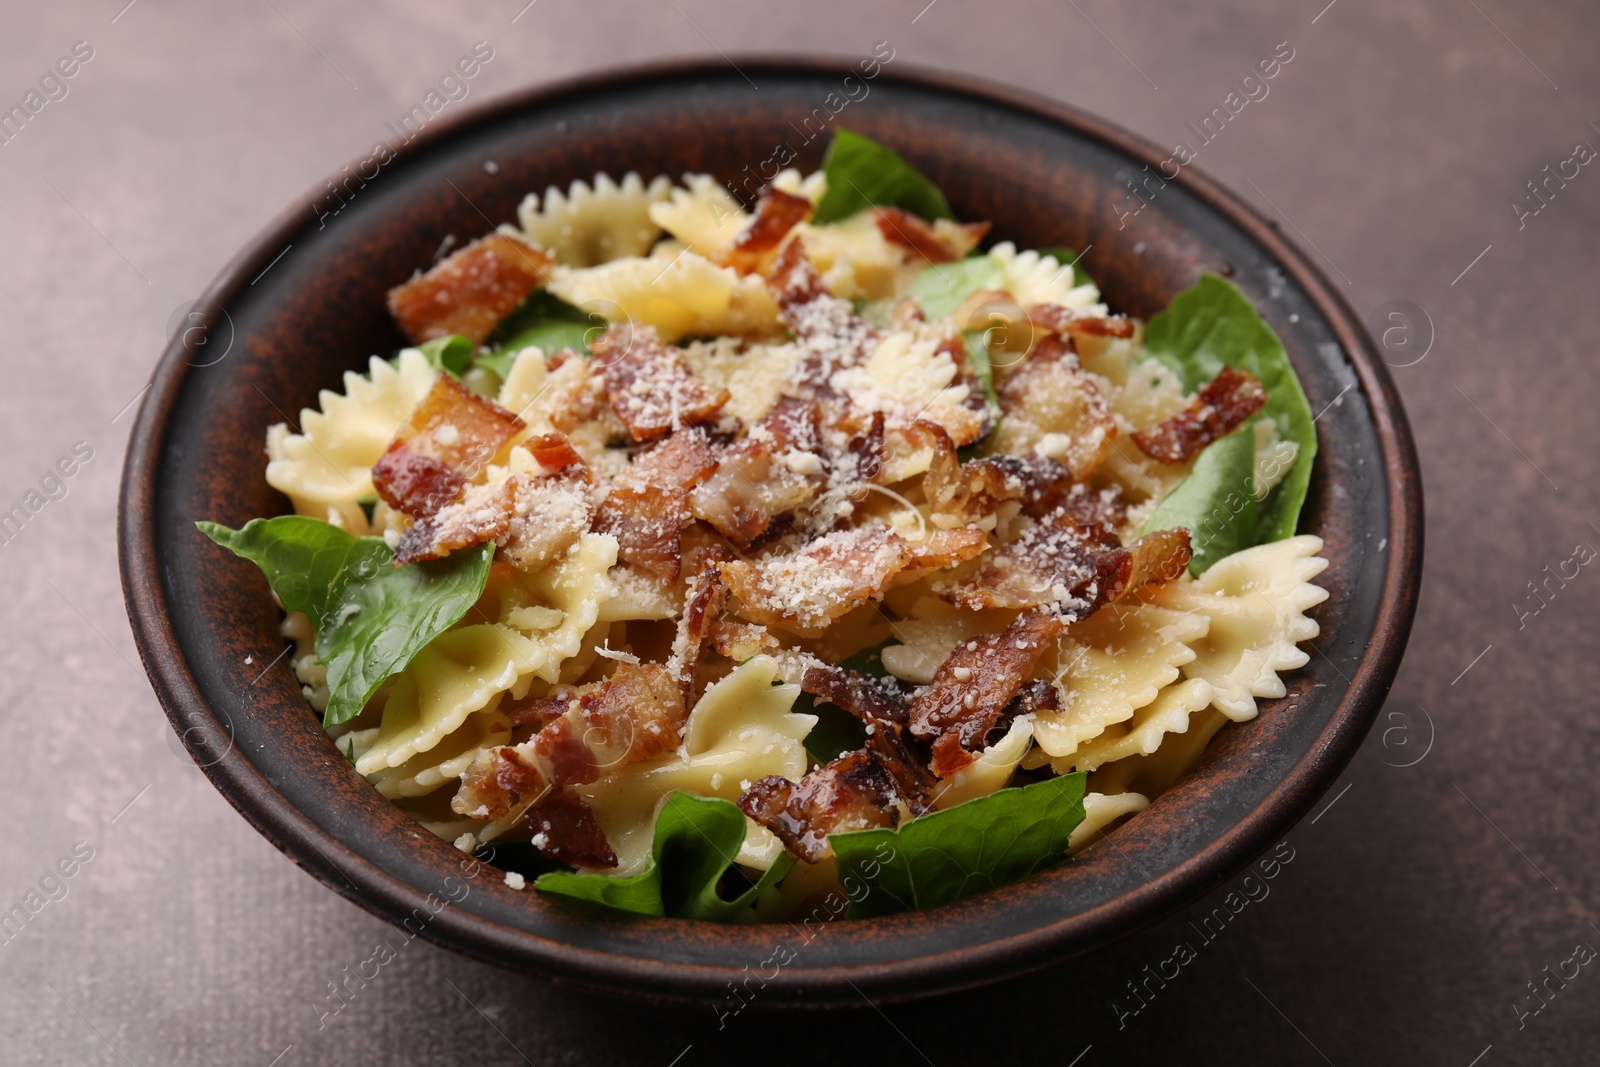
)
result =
(1213, 324)
(862, 173)
(946, 855)
(1067, 257)
(371, 617)
(543, 320)
(940, 288)
(696, 842)
(1214, 503)
(453, 353)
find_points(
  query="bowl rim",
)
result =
(905, 978)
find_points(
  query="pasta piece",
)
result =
(740, 731)
(992, 770)
(1099, 812)
(703, 216)
(1255, 601)
(678, 294)
(1110, 665)
(1141, 735)
(595, 224)
(446, 761)
(754, 374)
(325, 469)
(1032, 278)
(541, 620)
(930, 633)
(308, 669)
(909, 378)
(855, 260)
(811, 186)
(1154, 774)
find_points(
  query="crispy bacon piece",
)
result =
(937, 242)
(1051, 390)
(739, 640)
(532, 518)
(566, 824)
(1086, 506)
(469, 293)
(1070, 569)
(651, 388)
(541, 710)
(967, 492)
(636, 714)
(1066, 321)
(1221, 406)
(703, 605)
(774, 469)
(882, 704)
(1035, 696)
(973, 687)
(806, 590)
(451, 436)
(647, 509)
(826, 327)
(853, 792)
(777, 212)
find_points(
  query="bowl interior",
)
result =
(305, 303)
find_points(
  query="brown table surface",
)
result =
(1392, 146)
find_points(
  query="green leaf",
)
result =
(696, 842)
(946, 855)
(1068, 257)
(1211, 325)
(977, 342)
(371, 617)
(862, 173)
(543, 320)
(940, 288)
(1214, 502)
(453, 353)
(837, 731)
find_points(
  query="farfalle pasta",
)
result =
(701, 545)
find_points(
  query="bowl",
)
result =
(304, 302)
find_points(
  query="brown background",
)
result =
(1416, 907)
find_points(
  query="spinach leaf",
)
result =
(940, 288)
(371, 617)
(977, 342)
(950, 854)
(1067, 257)
(453, 353)
(1214, 503)
(1213, 324)
(696, 841)
(543, 320)
(862, 173)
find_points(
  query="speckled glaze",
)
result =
(304, 303)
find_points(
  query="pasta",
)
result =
(827, 523)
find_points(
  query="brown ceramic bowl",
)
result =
(305, 302)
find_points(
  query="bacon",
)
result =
(703, 605)
(1070, 569)
(739, 641)
(636, 714)
(538, 711)
(1052, 391)
(938, 242)
(651, 388)
(469, 293)
(449, 438)
(649, 505)
(570, 832)
(973, 687)
(826, 327)
(806, 590)
(774, 469)
(1221, 405)
(853, 792)
(532, 518)
(867, 698)
(967, 492)
(777, 212)
(1066, 321)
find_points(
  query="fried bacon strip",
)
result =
(1066, 321)
(649, 505)
(966, 492)
(451, 436)
(774, 469)
(853, 792)
(532, 518)
(637, 714)
(777, 212)
(1220, 407)
(937, 242)
(703, 605)
(974, 686)
(469, 293)
(806, 590)
(826, 327)
(650, 386)
(566, 824)
(1070, 569)
(883, 705)
(1051, 390)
